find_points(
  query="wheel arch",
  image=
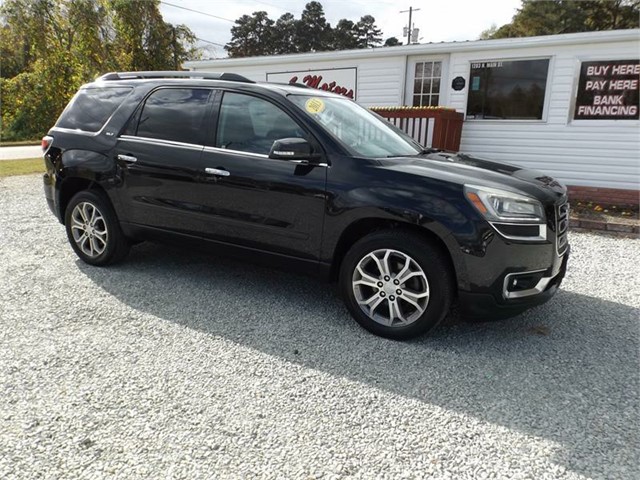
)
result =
(69, 187)
(365, 226)
(80, 170)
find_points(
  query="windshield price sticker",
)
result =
(314, 105)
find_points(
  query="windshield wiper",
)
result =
(427, 151)
(424, 151)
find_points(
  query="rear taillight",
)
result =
(46, 143)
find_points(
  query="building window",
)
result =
(507, 89)
(426, 84)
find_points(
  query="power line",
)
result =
(207, 41)
(268, 4)
(197, 11)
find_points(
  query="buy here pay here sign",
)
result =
(608, 90)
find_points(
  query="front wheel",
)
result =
(396, 284)
(93, 229)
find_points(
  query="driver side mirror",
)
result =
(291, 149)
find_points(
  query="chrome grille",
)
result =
(562, 227)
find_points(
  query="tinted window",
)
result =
(507, 89)
(251, 124)
(175, 114)
(90, 109)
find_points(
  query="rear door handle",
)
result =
(127, 158)
(217, 171)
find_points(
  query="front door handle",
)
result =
(217, 171)
(127, 158)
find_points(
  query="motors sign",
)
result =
(339, 80)
(608, 90)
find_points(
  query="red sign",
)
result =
(315, 81)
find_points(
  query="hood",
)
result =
(467, 169)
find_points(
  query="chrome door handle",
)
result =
(127, 158)
(217, 171)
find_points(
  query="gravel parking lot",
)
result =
(182, 365)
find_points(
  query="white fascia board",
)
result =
(428, 49)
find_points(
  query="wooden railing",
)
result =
(436, 127)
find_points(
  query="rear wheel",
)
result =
(93, 229)
(396, 284)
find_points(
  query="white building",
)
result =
(564, 104)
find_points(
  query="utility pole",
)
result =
(409, 29)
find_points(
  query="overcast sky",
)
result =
(438, 20)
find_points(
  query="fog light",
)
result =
(527, 281)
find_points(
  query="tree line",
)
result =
(257, 34)
(568, 16)
(51, 47)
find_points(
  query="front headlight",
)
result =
(503, 206)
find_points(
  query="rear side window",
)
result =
(90, 109)
(176, 114)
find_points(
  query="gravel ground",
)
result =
(179, 365)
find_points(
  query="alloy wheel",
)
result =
(89, 229)
(390, 287)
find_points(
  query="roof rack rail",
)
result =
(290, 84)
(231, 77)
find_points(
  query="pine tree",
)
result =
(285, 35)
(369, 35)
(345, 35)
(314, 32)
(252, 36)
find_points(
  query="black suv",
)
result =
(307, 180)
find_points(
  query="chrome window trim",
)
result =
(539, 287)
(235, 152)
(78, 131)
(542, 231)
(160, 141)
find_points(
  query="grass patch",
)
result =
(21, 167)
(19, 143)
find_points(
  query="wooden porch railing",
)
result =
(436, 127)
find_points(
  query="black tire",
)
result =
(427, 256)
(115, 245)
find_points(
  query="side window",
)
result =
(175, 114)
(90, 108)
(251, 124)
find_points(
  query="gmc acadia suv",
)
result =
(309, 180)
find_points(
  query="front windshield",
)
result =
(363, 132)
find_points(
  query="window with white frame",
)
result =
(507, 89)
(426, 83)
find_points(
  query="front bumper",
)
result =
(485, 306)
